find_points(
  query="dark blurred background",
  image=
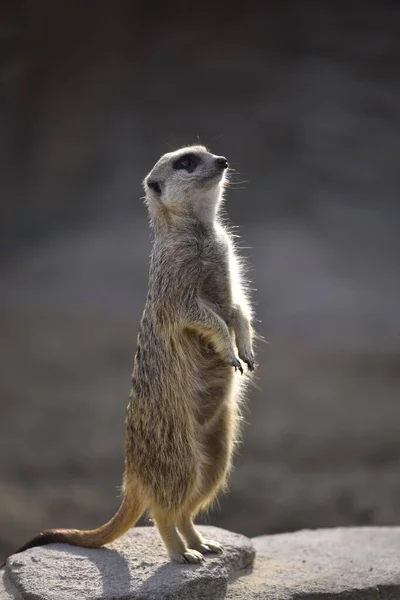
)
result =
(303, 99)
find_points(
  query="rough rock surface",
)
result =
(134, 567)
(353, 563)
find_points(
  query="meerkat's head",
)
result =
(189, 180)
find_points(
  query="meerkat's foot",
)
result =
(178, 551)
(247, 357)
(195, 539)
(187, 556)
(210, 547)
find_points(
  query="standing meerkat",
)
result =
(183, 417)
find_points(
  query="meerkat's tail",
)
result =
(126, 516)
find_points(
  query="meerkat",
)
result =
(196, 334)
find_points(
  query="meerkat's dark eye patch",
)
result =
(155, 186)
(187, 162)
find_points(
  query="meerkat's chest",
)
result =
(216, 278)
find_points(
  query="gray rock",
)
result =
(353, 563)
(7, 590)
(134, 567)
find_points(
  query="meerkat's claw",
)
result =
(210, 547)
(178, 558)
(250, 365)
(237, 364)
(193, 556)
(188, 556)
(248, 358)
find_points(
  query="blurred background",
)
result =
(303, 99)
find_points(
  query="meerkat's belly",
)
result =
(213, 382)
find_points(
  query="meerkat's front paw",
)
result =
(235, 362)
(247, 357)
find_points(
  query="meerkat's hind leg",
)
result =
(219, 443)
(194, 538)
(176, 548)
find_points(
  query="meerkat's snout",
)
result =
(221, 162)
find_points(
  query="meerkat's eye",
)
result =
(185, 162)
(188, 162)
(155, 186)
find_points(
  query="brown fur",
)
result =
(183, 418)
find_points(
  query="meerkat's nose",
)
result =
(221, 162)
